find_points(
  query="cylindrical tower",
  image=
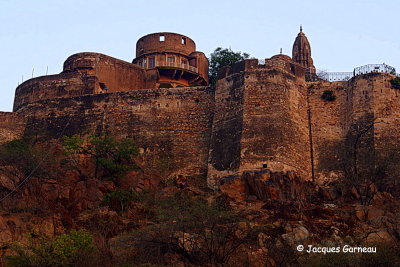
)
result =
(175, 58)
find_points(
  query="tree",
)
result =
(75, 248)
(113, 158)
(202, 233)
(222, 57)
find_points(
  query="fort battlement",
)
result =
(258, 116)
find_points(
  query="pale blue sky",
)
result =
(343, 34)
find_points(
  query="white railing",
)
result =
(176, 65)
(345, 76)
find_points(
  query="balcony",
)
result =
(173, 65)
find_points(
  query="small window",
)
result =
(162, 38)
(265, 165)
(183, 40)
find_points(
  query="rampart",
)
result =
(363, 117)
(53, 86)
(260, 116)
(174, 122)
(328, 128)
(114, 75)
(260, 122)
(85, 74)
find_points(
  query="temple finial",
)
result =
(281, 51)
(301, 28)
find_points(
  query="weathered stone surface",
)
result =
(258, 116)
(11, 126)
(382, 236)
(300, 233)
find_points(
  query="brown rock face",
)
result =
(265, 185)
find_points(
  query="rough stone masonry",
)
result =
(258, 116)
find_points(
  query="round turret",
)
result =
(174, 57)
(166, 42)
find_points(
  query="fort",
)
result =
(258, 116)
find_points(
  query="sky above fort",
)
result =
(37, 36)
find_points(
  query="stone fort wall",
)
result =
(258, 117)
(366, 106)
(268, 117)
(260, 122)
(85, 74)
(174, 122)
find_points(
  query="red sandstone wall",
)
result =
(176, 121)
(12, 126)
(117, 75)
(202, 64)
(86, 73)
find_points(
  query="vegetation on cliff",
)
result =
(328, 95)
(222, 57)
(113, 158)
(395, 83)
(71, 249)
(99, 216)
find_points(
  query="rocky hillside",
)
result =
(100, 202)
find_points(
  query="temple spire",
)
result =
(301, 52)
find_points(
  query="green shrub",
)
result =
(328, 95)
(121, 196)
(395, 83)
(63, 251)
(221, 58)
(113, 158)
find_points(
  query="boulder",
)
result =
(381, 236)
(299, 234)
(234, 189)
(374, 212)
